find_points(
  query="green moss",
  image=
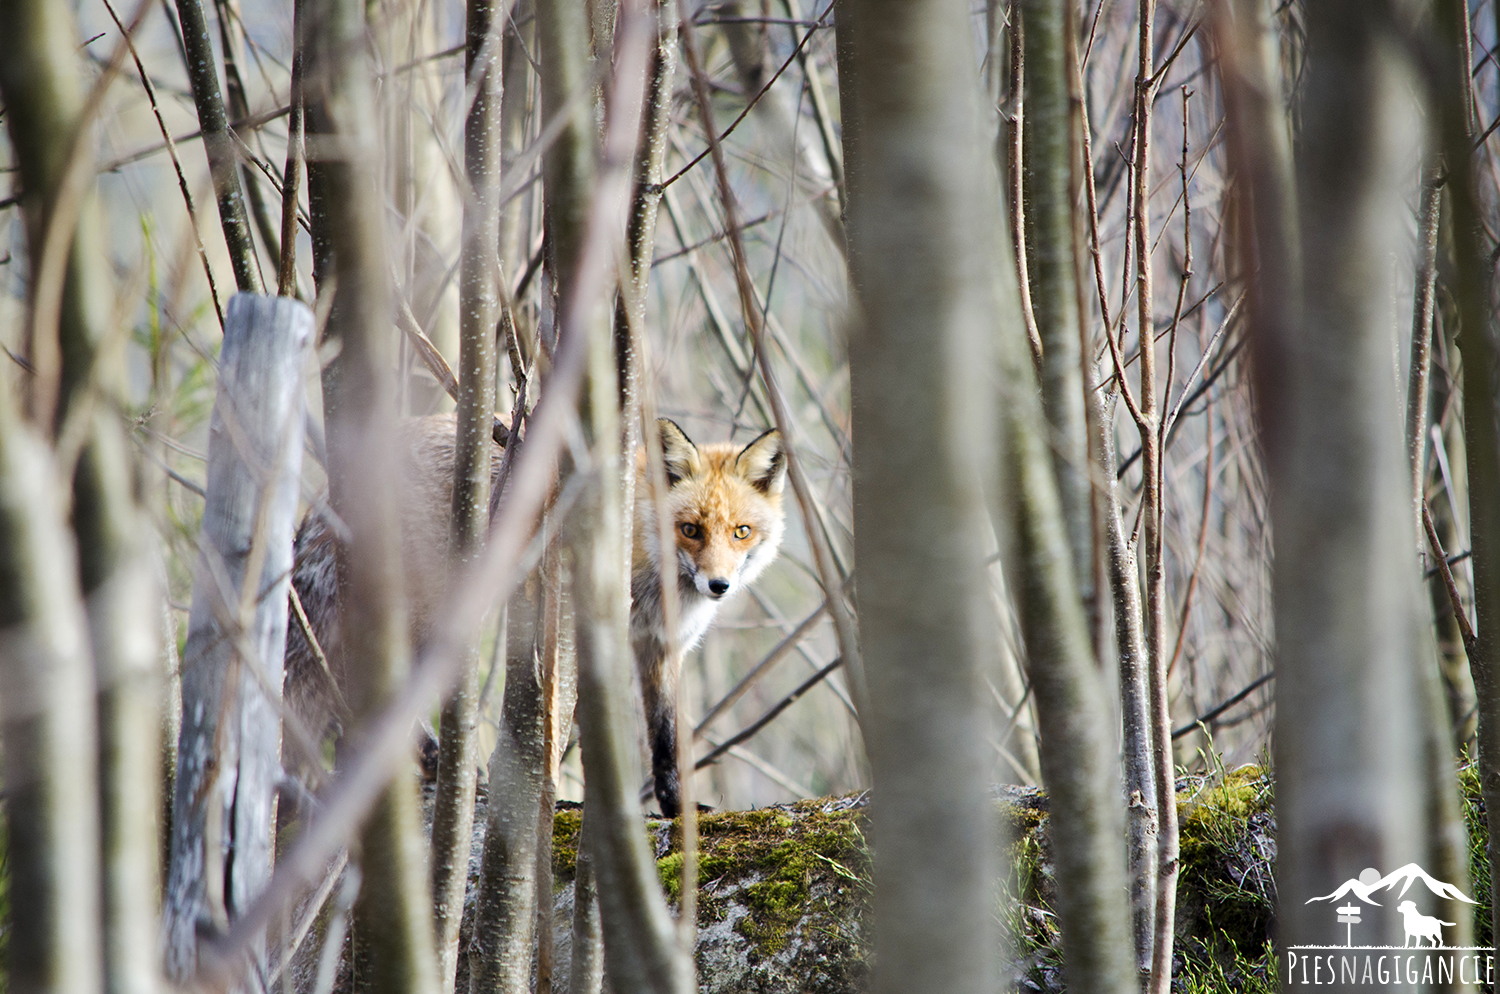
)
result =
(786, 851)
(1217, 849)
(565, 827)
(669, 869)
(782, 852)
(1479, 836)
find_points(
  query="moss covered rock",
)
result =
(784, 891)
(782, 895)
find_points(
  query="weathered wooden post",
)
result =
(228, 756)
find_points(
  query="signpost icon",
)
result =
(1349, 916)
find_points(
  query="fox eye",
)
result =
(689, 530)
(742, 532)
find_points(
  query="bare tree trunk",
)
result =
(238, 107)
(223, 160)
(559, 694)
(46, 678)
(1480, 402)
(116, 564)
(1140, 772)
(1054, 271)
(1447, 833)
(1078, 754)
(52, 814)
(453, 811)
(393, 916)
(587, 969)
(921, 259)
(639, 937)
(505, 910)
(1149, 420)
(1348, 744)
(229, 752)
(640, 240)
(905, 132)
(516, 114)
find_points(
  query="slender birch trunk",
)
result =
(1149, 420)
(505, 909)
(1054, 270)
(909, 120)
(1480, 403)
(223, 160)
(453, 811)
(640, 240)
(924, 265)
(1140, 773)
(52, 808)
(640, 943)
(393, 914)
(47, 681)
(116, 562)
(1348, 621)
(1448, 836)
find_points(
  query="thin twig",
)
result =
(749, 106)
(1219, 709)
(1016, 189)
(286, 273)
(822, 555)
(1465, 629)
(61, 221)
(171, 147)
(754, 727)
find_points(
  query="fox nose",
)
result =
(718, 587)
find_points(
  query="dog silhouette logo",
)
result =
(1420, 926)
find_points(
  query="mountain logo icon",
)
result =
(1371, 882)
(1422, 928)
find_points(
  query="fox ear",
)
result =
(679, 454)
(763, 462)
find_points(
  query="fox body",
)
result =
(724, 503)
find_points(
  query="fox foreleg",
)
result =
(659, 690)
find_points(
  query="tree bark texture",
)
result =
(393, 914)
(1447, 835)
(1140, 774)
(47, 680)
(229, 761)
(921, 258)
(586, 962)
(479, 310)
(517, 111)
(47, 683)
(223, 160)
(1054, 270)
(639, 936)
(505, 910)
(116, 562)
(640, 241)
(1348, 746)
(1480, 403)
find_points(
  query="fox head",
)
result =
(725, 504)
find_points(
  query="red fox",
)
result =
(725, 502)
